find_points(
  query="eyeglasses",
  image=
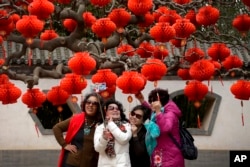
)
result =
(113, 108)
(94, 103)
(138, 116)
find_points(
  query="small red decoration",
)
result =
(48, 35)
(242, 23)
(69, 24)
(241, 89)
(120, 17)
(195, 90)
(73, 83)
(160, 52)
(82, 63)
(202, 70)
(41, 8)
(232, 61)
(33, 98)
(105, 76)
(162, 32)
(183, 28)
(194, 54)
(57, 96)
(88, 18)
(126, 49)
(148, 21)
(170, 16)
(207, 15)
(183, 73)
(9, 93)
(218, 51)
(29, 26)
(145, 50)
(191, 16)
(159, 12)
(154, 69)
(140, 7)
(130, 82)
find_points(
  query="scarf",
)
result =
(110, 148)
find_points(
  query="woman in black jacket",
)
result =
(137, 148)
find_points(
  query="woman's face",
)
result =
(113, 111)
(136, 117)
(91, 106)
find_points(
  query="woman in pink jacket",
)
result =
(166, 115)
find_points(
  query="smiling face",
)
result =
(136, 117)
(113, 111)
(91, 106)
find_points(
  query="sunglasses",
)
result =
(138, 116)
(113, 108)
(94, 103)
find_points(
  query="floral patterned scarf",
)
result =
(110, 149)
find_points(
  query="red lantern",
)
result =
(48, 35)
(9, 93)
(69, 24)
(170, 16)
(103, 28)
(159, 12)
(207, 15)
(241, 89)
(33, 98)
(88, 18)
(232, 61)
(140, 7)
(194, 54)
(202, 70)
(183, 73)
(191, 15)
(120, 17)
(183, 28)
(154, 69)
(148, 21)
(126, 49)
(41, 8)
(105, 76)
(82, 63)
(195, 90)
(242, 23)
(29, 26)
(160, 52)
(4, 79)
(100, 3)
(130, 82)
(73, 83)
(145, 50)
(162, 32)
(218, 52)
(57, 96)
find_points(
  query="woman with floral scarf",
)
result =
(111, 138)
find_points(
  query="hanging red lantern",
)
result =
(191, 16)
(183, 73)
(242, 23)
(4, 79)
(57, 95)
(125, 49)
(140, 7)
(202, 70)
(15, 17)
(207, 15)
(29, 26)
(154, 69)
(33, 98)
(183, 28)
(162, 32)
(105, 76)
(170, 16)
(73, 83)
(194, 54)
(41, 8)
(130, 82)
(9, 93)
(195, 90)
(100, 3)
(218, 51)
(103, 28)
(182, 2)
(161, 10)
(82, 63)
(69, 24)
(232, 61)
(48, 35)
(89, 19)
(145, 50)
(120, 17)
(241, 89)
(160, 52)
(148, 21)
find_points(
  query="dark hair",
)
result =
(146, 111)
(119, 105)
(163, 95)
(99, 107)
